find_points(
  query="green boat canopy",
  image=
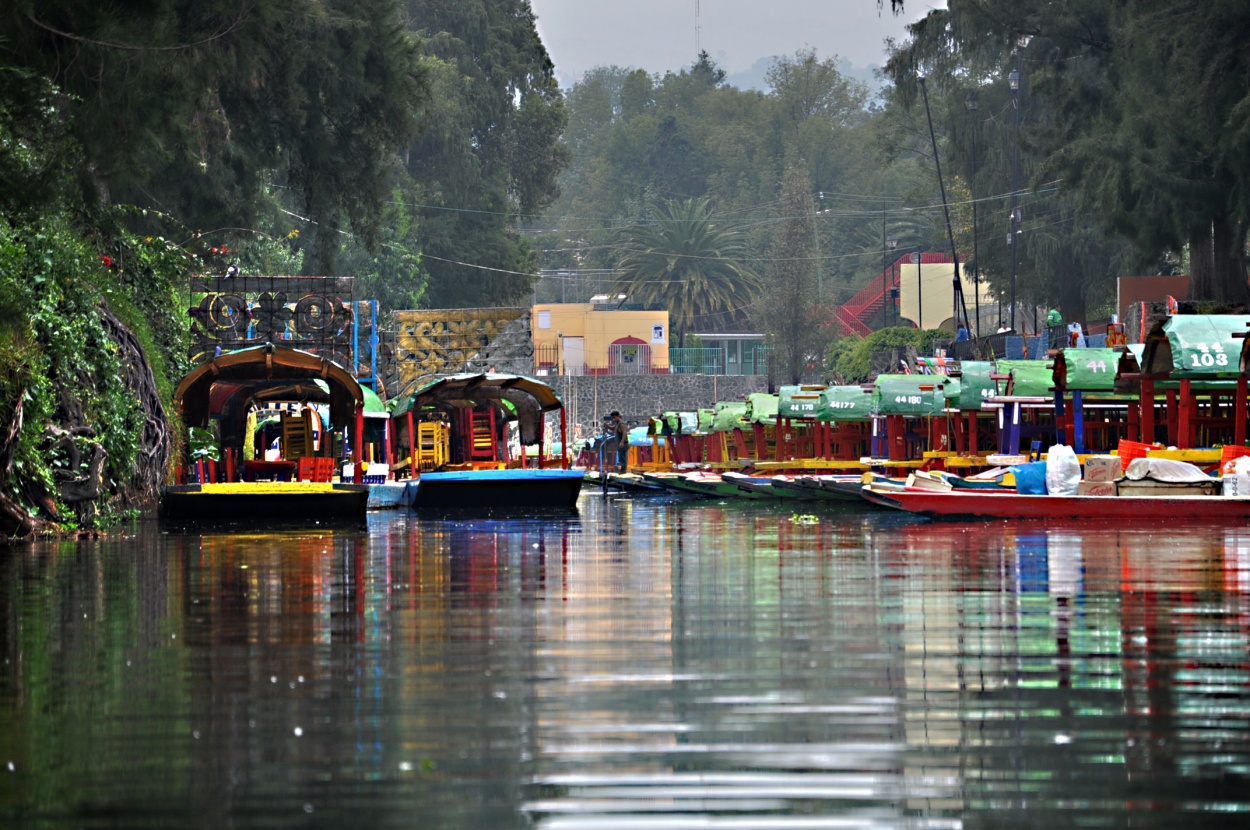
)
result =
(729, 415)
(374, 408)
(762, 408)
(706, 417)
(910, 394)
(1195, 346)
(975, 384)
(677, 423)
(846, 403)
(798, 402)
(1028, 378)
(1086, 370)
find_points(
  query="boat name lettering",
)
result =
(909, 399)
(1097, 365)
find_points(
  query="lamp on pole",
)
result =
(970, 101)
(891, 242)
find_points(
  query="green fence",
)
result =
(712, 362)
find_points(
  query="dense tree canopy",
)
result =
(1137, 109)
(787, 311)
(637, 139)
(490, 150)
(199, 110)
(684, 260)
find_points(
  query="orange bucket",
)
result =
(1129, 450)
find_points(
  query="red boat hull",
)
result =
(1014, 506)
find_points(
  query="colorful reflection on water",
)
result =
(648, 664)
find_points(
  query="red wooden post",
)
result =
(1239, 412)
(564, 439)
(894, 428)
(1185, 423)
(1134, 421)
(358, 455)
(412, 447)
(1147, 411)
(542, 433)
(390, 442)
(1172, 420)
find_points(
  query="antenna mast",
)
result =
(698, 43)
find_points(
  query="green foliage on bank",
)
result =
(64, 365)
(850, 358)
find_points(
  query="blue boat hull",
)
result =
(498, 491)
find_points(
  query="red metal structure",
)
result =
(853, 316)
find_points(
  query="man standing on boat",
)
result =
(622, 441)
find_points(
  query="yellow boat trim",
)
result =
(809, 464)
(266, 488)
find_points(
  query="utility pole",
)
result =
(970, 101)
(960, 305)
(1013, 232)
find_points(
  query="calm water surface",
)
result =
(649, 664)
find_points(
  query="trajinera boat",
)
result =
(462, 462)
(240, 483)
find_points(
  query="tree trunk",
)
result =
(1217, 270)
(155, 443)
(15, 521)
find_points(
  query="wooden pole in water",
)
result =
(358, 455)
(412, 447)
(564, 440)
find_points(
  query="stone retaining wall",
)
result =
(588, 398)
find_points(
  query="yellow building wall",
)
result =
(929, 290)
(600, 328)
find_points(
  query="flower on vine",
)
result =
(107, 260)
(294, 234)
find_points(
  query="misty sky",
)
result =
(659, 35)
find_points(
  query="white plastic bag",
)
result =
(1063, 471)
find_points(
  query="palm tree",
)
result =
(685, 261)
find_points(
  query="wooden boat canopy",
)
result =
(799, 402)
(1195, 346)
(976, 384)
(520, 398)
(914, 395)
(1025, 378)
(1087, 370)
(846, 403)
(267, 373)
(762, 408)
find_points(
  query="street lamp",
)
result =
(971, 102)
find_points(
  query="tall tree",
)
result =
(787, 308)
(684, 260)
(1144, 108)
(490, 153)
(195, 108)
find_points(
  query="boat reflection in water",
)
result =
(650, 664)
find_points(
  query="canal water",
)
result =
(650, 663)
